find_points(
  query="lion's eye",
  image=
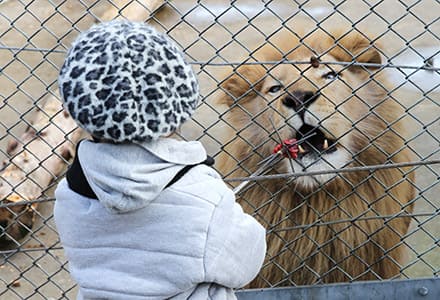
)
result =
(275, 89)
(332, 75)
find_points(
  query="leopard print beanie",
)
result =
(125, 82)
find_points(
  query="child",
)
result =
(141, 215)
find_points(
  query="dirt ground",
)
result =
(213, 33)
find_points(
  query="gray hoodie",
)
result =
(141, 241)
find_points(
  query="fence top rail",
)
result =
(411, 289)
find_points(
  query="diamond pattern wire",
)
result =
(240, 51)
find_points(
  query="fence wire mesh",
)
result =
(348, 208)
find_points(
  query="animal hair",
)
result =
(302, 251)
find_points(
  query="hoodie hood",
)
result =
(127, 177)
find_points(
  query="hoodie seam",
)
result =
(178, 191)
(208, 233)
(206, 242)
(131, 248)
(85, 288)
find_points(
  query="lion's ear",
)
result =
(242, 83)
(358, 48)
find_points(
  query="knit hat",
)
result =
(126, 82)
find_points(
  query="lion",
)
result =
(323, 226)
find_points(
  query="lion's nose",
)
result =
(298, 99)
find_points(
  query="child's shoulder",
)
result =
(203, 182)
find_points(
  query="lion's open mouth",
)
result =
(317, 143)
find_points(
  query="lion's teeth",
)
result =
(325, 146)
(301, 149)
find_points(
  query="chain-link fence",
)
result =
(357, 82)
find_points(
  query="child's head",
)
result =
(126, 82)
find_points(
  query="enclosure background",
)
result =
(35, 34)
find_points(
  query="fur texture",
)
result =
(349, 107)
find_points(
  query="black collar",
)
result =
(77, 180)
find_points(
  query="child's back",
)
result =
(127, 233)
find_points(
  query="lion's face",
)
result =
(328, 106)
(344, 115)
(315, 102)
